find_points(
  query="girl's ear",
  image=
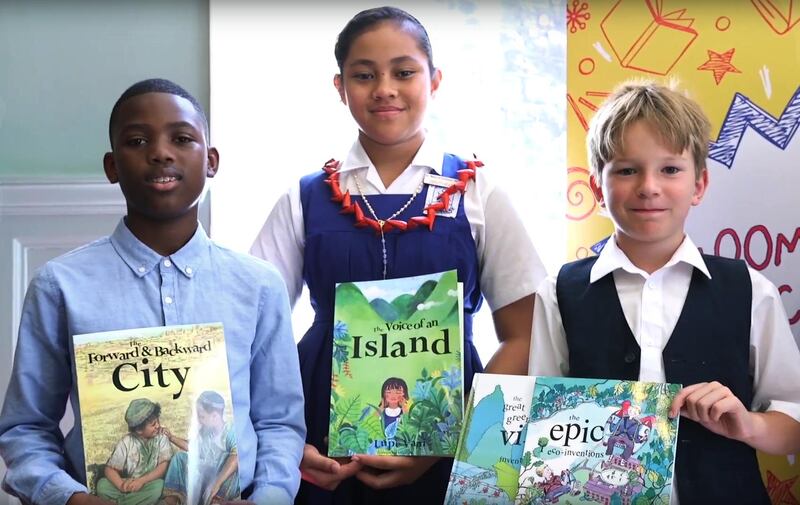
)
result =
(338, 83)
(436, 79)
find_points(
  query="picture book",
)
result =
(397, 380)
(599, 441)
(486, 466)
(156, 415)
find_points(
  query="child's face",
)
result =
(209, 418)
(160, 157)
(393, 397)
(150, 429)
(386, 83)
(648, 191)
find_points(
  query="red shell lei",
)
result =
(331, 168)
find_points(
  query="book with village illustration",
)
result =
(397, 380)
(486, 466)
(599, 441)
(156, 415)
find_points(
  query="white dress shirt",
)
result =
(652, 304)
(510, 268)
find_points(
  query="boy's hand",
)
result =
(87, 499)
(325, 472)
(716, 408)
(384, 472)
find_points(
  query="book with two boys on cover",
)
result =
(156, 415)
(585, 441)
(397, 380)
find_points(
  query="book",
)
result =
(543, 440)
(780, 15)
(487, 462)
(397, 374)
(157, 401)
(645, 38)
(599, 441)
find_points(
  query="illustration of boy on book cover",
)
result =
(599, 441)
(153, 415)
(397, 383)
(489, 455)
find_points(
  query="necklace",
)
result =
(381, 226)
(382, 222)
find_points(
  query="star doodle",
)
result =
(719, 64)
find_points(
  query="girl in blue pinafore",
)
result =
(394, 171)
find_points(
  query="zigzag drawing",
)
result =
(743, 113)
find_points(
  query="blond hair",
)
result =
(676, 118)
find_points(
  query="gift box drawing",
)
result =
(644, 38)
(780, 15)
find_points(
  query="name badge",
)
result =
(438, 180)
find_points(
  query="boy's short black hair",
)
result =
(155, 85)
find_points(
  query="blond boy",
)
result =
(652, 307)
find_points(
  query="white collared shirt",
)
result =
(652, 304)
(510, 268)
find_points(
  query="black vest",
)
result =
(710, 342)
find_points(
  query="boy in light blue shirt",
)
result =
(157, 268)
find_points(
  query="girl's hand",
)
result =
(325, 472)
(716, 408)
(384, 472)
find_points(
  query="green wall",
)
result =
(63, 64)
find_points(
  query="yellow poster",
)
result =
(740, 59)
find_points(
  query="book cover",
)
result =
(645, 38)
(599, 441)
(487, 462)
(397, 380)
(156, 415)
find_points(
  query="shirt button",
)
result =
(630, 357)
(141, 270)
(651, 285)
(168, 299)
(167, 263)
(189, 270)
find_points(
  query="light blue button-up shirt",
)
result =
(118, 283)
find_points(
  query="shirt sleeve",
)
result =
(281, 241)
(31, 442)
(278, 416)
(775, 358)
(510, 266)
(549, 354)
(119, 456)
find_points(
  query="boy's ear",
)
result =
(339, 85)
(700, 186)
(436, 79)
(594, 184)
(213, 162)
(110, 168)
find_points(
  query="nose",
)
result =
(384, 87)
(160, 152)
(648, 185)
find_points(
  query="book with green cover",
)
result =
(599, 441)
(397, 379)
(489, 455)
(156, 415)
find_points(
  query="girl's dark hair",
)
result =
(366, 19)
(154, 415)
(394, 383)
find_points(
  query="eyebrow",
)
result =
(173, 125)
(394, 61)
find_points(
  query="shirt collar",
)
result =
(430, 155)
(141, 259)
(612, 258)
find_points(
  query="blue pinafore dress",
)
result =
(336, 251)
